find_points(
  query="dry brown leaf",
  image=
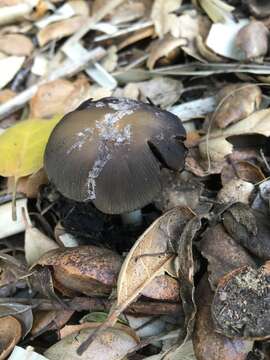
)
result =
(163, 16)
(206, 52)
(236, 190)
(218, 146)
(163, 287)
(113, 344)
(60, 29)
(137, 36)
(127, 12)
(50, 320)
(189, 26)
(58, 97)
(236, 102)
(10, 335)
(16, 44)
(163, 47)
(244, 170)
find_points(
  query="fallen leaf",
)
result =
(252, 40)
(60, 29)
(22, 313)
(218, 146)
(236, 190)
(127, 12)
(163, 287)
(217, 10)
(58, 97)
(10, 335)
(49, 320)
(236, 102)
(163, 15)
(113, 344)
(163, 47)
(222, 252)
(244, 170)
(9, 66)
(22, 147)
(16, 44)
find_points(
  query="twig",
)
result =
(99, 304)
(68, 69)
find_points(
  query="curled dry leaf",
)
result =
(163, 47)
(87, 269)
(163, 16)
(58, 97)
(218, 147)
(241, 303)
(60, 29)
(236, 102)
(207, 343)
(10, 335)
(16, 44)
(236, 190)
(206, 52)
(49, 320)
(187, 272)
(23, 313)
(250, 228)
(222, 252)
(244, 170)
(252, 40)
(113, 344)
(127, 12)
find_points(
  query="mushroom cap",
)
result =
(110, 151)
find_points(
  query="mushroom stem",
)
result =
(132, 218)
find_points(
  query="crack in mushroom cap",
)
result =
(110, 152)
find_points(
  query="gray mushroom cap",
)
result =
(110, 151)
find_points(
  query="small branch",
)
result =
(99, 304)
(68, 69)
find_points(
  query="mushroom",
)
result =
(111, 152)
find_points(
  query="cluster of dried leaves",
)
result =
(192, 281)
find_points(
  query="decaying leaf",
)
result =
(222, 252)
(163, 287)
(236, 190)
(250, 228)
(87, 269)
(163, 16)
(49, 320)
(16, 44)
(207, 343)
(113, 344)
(241, 303)
(60, 29)
(236, 102)
(252, 40)
(127, 12)
(22, 313)
(244, 170)
(10, 335)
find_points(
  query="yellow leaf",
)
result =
(22, 146)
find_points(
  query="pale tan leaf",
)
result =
(60, 29)
(10, 335)
(217, 10)
(9, 67)
(217, 146)
(163, 47)
(113, 344)
(129, 11)
(163, 16)
(16, 44)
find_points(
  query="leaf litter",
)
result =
(201, 244)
